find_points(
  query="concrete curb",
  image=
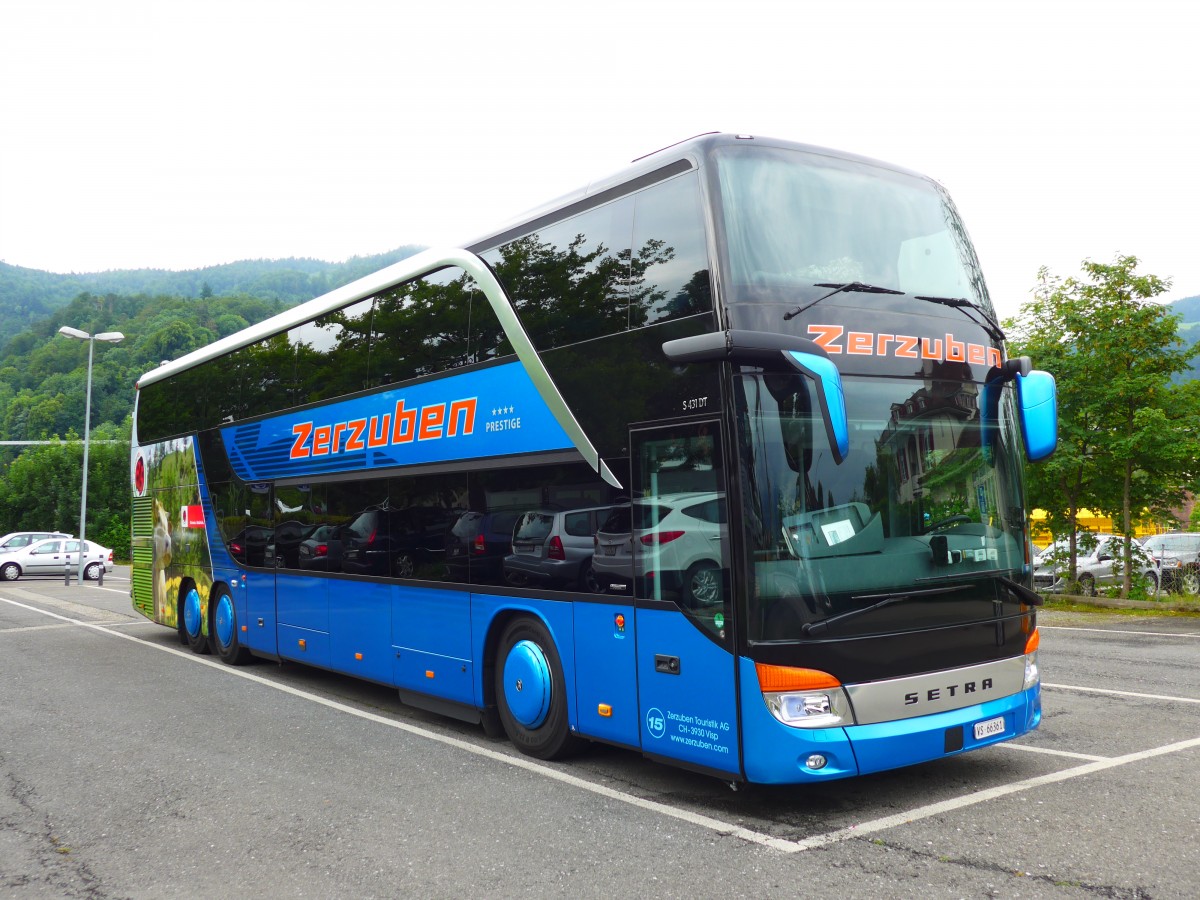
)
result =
(1188, 606)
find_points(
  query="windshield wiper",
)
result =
(988, 324)
(1001, 575)
(1033, 598)
(810, 628)
(856, 286)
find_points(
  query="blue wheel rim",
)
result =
(224, 621)
(192, 616)
(527, 684)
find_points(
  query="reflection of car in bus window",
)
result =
(395, 542)
(555, 547)
(478, 543)
(249, 546)
(284, 550)
(322, 549)
(675, 539)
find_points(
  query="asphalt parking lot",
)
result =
(1102, 800)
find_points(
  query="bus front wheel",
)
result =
(531, 693)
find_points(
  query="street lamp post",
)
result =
(110, 337)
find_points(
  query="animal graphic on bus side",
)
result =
(164, 610)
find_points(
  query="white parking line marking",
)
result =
(937, 809)
(1009, 745)
(1183, 634)
(34, 628)
(1085, 689)
(697, 819)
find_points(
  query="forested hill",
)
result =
(162, 315)
(29, 295)
(1188, 309)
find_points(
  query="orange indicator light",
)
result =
(303, 644)
(1035, 639)
(605, 710)
(358, 656)
(429, 673)
(789, 678)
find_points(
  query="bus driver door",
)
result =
(680, 536)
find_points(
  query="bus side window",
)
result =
(679, 529)
(590, 254)
(669, 277)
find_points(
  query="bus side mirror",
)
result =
(1038, 411)
(774, 352)
(830, 395)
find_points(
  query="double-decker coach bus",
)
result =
(719, 460)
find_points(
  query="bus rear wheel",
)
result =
(531, 692)
(192, 616)
(223, 631)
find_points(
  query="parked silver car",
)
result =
(54, 557)
(1097, 563)
(1178, 557)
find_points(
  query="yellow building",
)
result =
(1088, 521)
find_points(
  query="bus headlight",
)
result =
(823, 710)
(804, 698)
(1032, 674)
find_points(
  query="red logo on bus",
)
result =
(139, 476)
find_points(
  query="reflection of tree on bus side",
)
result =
(442, 321)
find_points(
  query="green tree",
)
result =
(1127, 436)
(40, 488)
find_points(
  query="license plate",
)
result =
(610, 550)
(990, 728)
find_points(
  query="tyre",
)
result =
(1087, 585)
(91, 572)
(531, 693)
(702, 585)
(10, 571)
(223, 631)
(192, 616)
(1189, 582)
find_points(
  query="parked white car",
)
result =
(1097, 563)
(19, 540)
(55, 557)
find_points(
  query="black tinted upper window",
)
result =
(669, 268)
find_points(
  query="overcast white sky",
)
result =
(170, 135)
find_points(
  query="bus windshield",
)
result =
(923, 504)
(795, 220)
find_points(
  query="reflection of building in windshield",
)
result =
(925, 431)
